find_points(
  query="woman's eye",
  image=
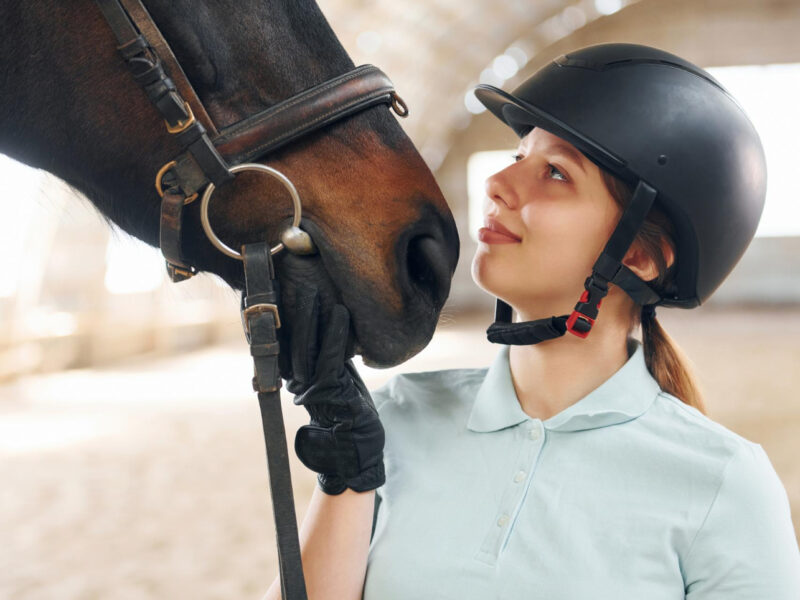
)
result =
(551, 168)
(554, 168)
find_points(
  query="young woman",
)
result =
(580, 464)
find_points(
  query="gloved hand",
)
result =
(344, 440)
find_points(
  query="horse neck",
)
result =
(70, 106)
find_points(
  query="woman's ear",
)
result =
(642, 264)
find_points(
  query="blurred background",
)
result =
(131, 456)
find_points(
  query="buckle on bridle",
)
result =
(160, 186)
(177, 273)
(182, 125)
(260, 308)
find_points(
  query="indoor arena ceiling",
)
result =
(435, 51)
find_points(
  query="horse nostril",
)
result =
(429, 268)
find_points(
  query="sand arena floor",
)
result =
(147, 479)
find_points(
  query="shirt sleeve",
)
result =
(746, 547)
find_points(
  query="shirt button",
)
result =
(534, 434)
(502, 521)
(519, 476)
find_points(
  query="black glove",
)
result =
(344, 441)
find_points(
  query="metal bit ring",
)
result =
(212, 237)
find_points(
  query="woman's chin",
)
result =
(478, 270)
(489, 273)
(487, 279)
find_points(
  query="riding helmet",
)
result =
(677, 136)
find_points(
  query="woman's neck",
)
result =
(551, 376)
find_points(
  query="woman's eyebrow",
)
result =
(569, 153)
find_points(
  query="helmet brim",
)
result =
(521, 117)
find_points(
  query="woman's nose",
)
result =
(499, 189)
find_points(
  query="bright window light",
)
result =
(18, 206)
(505, 66)
(519, 55)
(769, 96)
(472, 103)
(369, 42)
(131, 265)
(607, 7)
(490, 77)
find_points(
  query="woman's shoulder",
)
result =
(429, 388)
(686, 422)
(723, 454)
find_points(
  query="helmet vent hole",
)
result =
(662, 160)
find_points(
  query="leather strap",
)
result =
(148, 28)
(312, 109)
(144, 63)
(260, 320)
(170, 236)
(186, 119)
(287, 121)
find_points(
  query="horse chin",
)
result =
(383, 360)
(385, 340)
(380, 336)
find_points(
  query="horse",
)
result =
(385, 235)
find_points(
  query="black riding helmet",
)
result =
(677, 136)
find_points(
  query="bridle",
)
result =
(209, 153)
(211, 157)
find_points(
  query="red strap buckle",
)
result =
(578, 323)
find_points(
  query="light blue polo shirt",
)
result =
(627, 494)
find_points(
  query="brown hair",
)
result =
(666, 362)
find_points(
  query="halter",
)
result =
(211, 157)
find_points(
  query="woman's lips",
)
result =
(494, 233)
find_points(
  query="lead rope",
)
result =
(260, 319)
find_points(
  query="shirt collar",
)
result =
(625, 395)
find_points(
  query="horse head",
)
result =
(385, 235)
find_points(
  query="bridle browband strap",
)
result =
(285, 122)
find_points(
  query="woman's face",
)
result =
(547, 219)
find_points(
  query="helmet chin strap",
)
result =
(607, 269)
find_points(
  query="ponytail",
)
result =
(666, 362)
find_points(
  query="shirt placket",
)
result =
(532, 440)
